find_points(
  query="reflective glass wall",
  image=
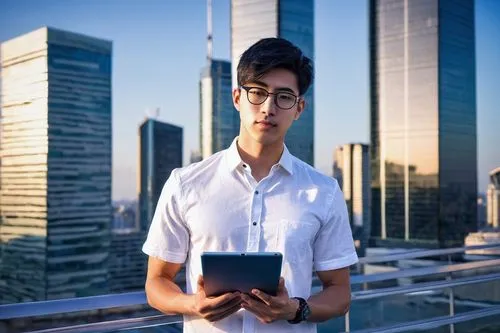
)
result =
(79, 164)
(296, 24)
(412, 145)
(161, 152)
(457, 119)
(352, 171)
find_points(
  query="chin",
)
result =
(266, 139)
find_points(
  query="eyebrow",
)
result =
(263, 84)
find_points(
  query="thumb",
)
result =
(200, 284)
(281, 284)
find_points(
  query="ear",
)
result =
(236, 98)
(301, 105)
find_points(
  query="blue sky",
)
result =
(159, 49)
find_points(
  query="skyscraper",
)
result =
(481, 211)
(125, 217)
(194, 157)
(351, 168)
(127, 263)
(423, 121)
(219, 120)
(55, 176)
(493, 199)
(289, 19)
(160, 152)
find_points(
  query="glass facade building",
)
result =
(351, 168)
(127, 263)
(160, 152)
(423, 121)
(125, 217)
(55, 175)
(252, 20)
(493, 200)
(219, 120)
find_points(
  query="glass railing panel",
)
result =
(75, 318)
(482, 325)
(478, 295)
(171, 327)
(418, 305)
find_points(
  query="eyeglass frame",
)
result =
(297, 98)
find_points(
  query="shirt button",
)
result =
(256, 192)
(254, 223)
(244, 165)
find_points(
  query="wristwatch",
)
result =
(303, 311)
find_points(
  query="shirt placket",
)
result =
(255, 213)
(254, 230)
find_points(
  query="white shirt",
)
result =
(216, 205)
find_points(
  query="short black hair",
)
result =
(271, 53)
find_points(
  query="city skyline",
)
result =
(341, 105)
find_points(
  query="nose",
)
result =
(269, 106)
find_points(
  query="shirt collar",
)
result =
(234, 159)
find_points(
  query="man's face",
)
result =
(267, 123)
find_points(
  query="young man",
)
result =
(255, 196)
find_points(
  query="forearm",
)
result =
(332, 301)
(167, 297)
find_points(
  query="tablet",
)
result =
(241, 271)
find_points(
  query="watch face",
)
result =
(306, 312)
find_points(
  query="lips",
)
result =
(266, 123)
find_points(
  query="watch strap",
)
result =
(298, 315)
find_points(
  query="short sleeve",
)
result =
(334, 245)
(168, 236)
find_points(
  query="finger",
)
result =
(225, 311)
(225, 314)
(254, 305)
(222, 315)
(223, 299)
(251, 308)
(236, 300)
(268, 299)
(259, 313)
(219, 304)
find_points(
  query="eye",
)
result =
(285, 97)
(258, 92)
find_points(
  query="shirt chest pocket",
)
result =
(295, 240)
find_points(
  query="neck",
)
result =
(260, 157)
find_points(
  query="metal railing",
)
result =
(427, 324)
(63, 306)
(116, 325)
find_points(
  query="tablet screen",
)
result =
(241, 271)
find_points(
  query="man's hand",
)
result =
(269, 308)
(215, 308)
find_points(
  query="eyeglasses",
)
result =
(283, 100)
